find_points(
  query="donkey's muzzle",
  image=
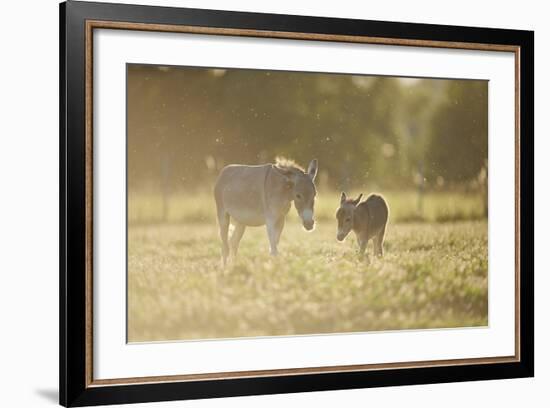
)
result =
(308, 225)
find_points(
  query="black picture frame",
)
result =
(75, 389)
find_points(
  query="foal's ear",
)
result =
(356, 201)
(312, 169)
(343, 198)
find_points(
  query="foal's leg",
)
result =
(362, 241)
(236, 238)
(379, 242)
(223, 222)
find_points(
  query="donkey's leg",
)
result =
(273, 234)
(223, 221)
(236, 238)
(279, 225)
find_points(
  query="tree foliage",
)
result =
(185, 123)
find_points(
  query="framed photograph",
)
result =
(256, 204)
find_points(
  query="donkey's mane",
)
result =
(288, 165)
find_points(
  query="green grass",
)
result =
(434, 275)
(200, 207)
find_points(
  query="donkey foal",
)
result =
(367, 219)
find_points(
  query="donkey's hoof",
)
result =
(364, 258)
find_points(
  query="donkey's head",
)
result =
(304, 195)
(344, 215)
(302, 190)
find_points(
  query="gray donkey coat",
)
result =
(262, 195)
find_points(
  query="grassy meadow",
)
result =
(433, 275)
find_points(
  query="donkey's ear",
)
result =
(312, 169)
(356, 201)
(343, 198)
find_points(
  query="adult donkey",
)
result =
(262, 195)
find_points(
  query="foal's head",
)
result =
(344, 215)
